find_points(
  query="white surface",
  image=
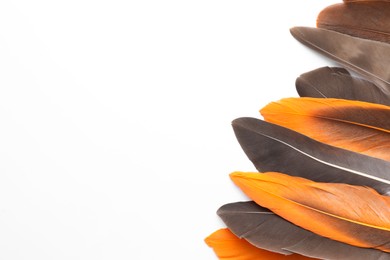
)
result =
(115, 136)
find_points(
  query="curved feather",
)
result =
(336, 82)
(353, 125)
(332, 210)
(274, 148)
(363, 19)
(369, 58)
(227, 246)
(268, 231)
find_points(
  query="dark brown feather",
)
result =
(336, 82)
(274, 148)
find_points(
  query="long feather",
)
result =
(354, 215)
(369, 58)
(229, 247)
(266, 230)
(336, 82)
(353, 125)
(274, 148)
(364, 19)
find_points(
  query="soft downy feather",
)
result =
(334, 82)
(229, 247)
(332, 210)
(371, 59)
(363, 19)
(274, 148)
(353, 125)
(268, 231)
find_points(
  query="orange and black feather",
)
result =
(353, 125)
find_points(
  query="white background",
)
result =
(115, 135)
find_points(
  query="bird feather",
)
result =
(353, 125)
(229, 247)
(371, 59)
(264, 229)
(333, 210)
(333, 82)
(364, 19)
(274, 148)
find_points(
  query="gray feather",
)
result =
(274, 148)
(335, 82)
(369, 58)
(265, 230)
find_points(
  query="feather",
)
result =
(335, 82)
(274, 148)
(369, 58)
(353, 125)
(266, 230)
(332, 210)
(227, 246)
(363, 19)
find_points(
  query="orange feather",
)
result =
(227, 246)
(351, 214)
(353, 125)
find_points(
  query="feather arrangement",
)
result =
(323, 186)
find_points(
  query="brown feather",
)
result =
(368, 58)
(333, 82)
(364, 19)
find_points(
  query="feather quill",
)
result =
(274, 148)
(227, 246)
(266, 230)
(336, 82)
(364, 19)
(371, 59)
(332, 210)
(353, 125)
